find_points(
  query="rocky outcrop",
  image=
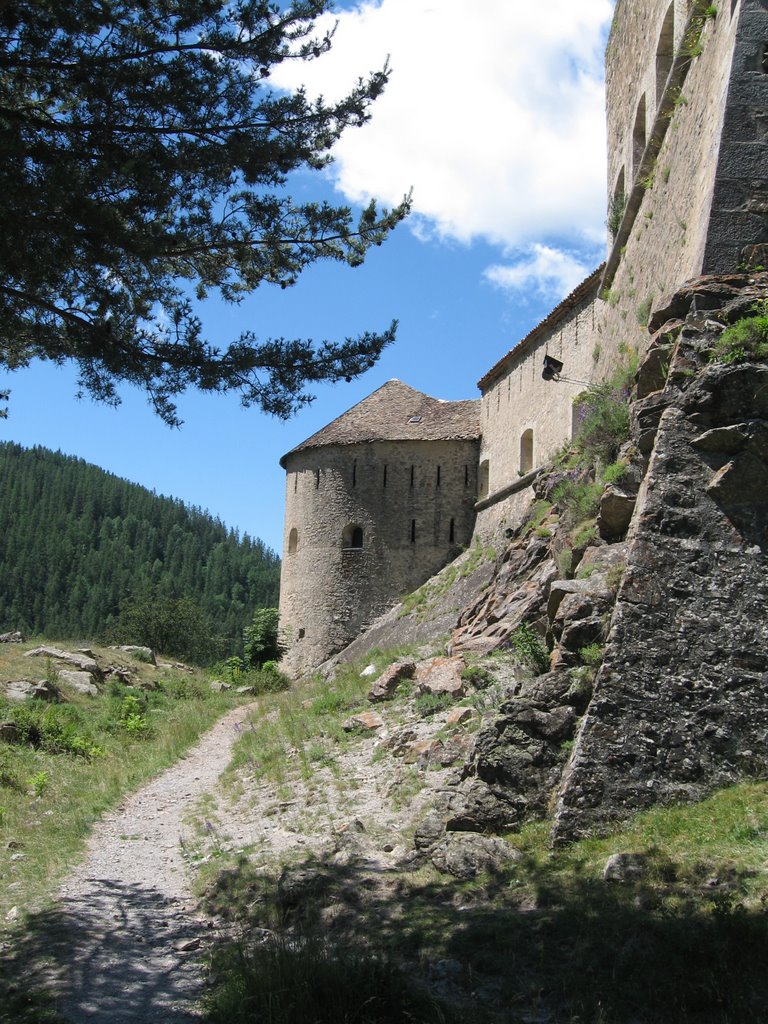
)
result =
(680, 705)
(667, 624)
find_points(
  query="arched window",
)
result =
(526, 452)
(293, 541)
(665, 52)
(352, 537)
(638, 137)
(483, 479)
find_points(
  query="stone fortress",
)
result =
(383, 497)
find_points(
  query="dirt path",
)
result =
(128, 947)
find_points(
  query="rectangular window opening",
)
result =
(317, 478)
(413, 531)
(438, 476)
(384, 479)
(412, 475)
(354, 473)
(452, 532)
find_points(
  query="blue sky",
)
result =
(495, 120)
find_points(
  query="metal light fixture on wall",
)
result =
(553, 371)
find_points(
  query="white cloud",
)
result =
(493, 114)
(549, 272)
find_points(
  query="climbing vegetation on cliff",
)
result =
(746, 340)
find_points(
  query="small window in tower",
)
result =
(413, 531)
(526, 452)
(466, 476)
(438, 476)
(452, 531)
(384, 477)
(293, 541)
(413, 468)
(295, 482)
(317, 478)
(354, 473)
(638, 137)
(352, 537)
(665, 52)
(484, 479)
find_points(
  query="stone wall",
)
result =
(697, 197)
(524, 419)
(413, 503)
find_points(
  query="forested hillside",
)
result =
(76, 541)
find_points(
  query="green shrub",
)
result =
(613, 473)
(578, 499)
(261, 639)
(744, 341)
(432, 703)
(527, 645)
(477, 676)
(591, 655)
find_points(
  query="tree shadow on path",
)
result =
(116, 954)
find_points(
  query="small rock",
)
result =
(386, 685)
(9, 732)
(13, 913)
(140, 653)
(47, 691)
(188, 945)
(296, 884)
(19, 689)
(430, 830)
(624, 867)
(219, 686)
(368, 671)
(366, 721)
(460, 716)
(81, 682)
(429, 750)
(440, 676)
(616, 508)
(467, 854)
(14, 637)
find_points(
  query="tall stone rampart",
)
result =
(688, 156)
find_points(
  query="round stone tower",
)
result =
(376, 503)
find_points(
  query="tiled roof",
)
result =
(587, 287)
(396, 412)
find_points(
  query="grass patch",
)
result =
(685, 941)
(71, 762)
(310, 980)
(289, 734)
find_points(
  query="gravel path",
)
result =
(128, 948)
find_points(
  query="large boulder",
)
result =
(80, 661)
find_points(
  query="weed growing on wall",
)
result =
(746, 340)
